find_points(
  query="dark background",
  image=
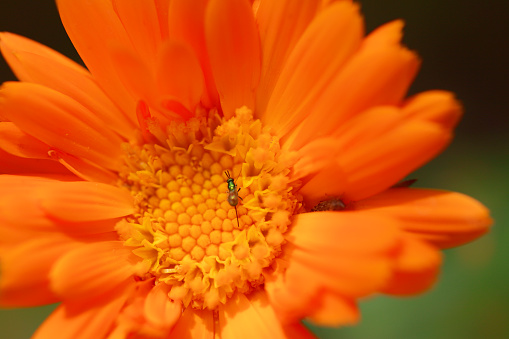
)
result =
(465, 49)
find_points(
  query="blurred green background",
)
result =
(465, 48)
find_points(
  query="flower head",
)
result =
(223, 167)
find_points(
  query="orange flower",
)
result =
(223, 167)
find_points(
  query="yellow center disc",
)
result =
(185, 230)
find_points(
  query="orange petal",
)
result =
(84, 232)
(148, 313)
(374, 76)
(367, 126)
(60, 121)
(92, 270)
(83, 320)
(92, 39)
(162, 8)
(355, 276)
(416, 268)
(234, 48)
(288, 307)
(179, 76)
(325, 3)
(194, 324)
(281, 23)
(445, 219)
(329, 182)
(12, 44)
(335, 310)
(436, 106)
(159, 310)
(186, 21)
(317, 156)
(370, 156)
(331, 259)
(141, 23)
(19, 183)
(297, 330)
(388, 34)
(379, 74)
(25, 270)
(41, 65)
(139, 80)
(22, 214)
(324, 308)
(249, 317)
(381, 163)
(15, 165)
(349, 232)
(83, 168)
(85, 201)
(330, 40)
(369, 135)
(17, 142)
(346, 253)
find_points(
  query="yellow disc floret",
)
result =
(185, 229)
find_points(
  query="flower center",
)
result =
(212, 207)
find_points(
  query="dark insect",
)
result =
(233, 194)
(333, 204)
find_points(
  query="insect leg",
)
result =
(238, 223)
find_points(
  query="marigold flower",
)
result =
(223, 167)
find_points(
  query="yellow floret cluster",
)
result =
(185, 230)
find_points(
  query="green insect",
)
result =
(233, 194)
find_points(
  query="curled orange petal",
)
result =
(416, 268)
(335, 310)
